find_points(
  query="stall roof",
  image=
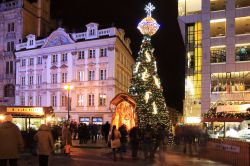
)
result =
(122, 97)
(223, 119)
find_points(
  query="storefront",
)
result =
(229, 121)
(28, 117)
(94, 120)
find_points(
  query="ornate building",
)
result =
(16, 18)
(97, 63)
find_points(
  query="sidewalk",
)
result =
(100, 143)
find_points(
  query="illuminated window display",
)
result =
(242, 25)
(218, 28)
(230, 82)
(242, 3)
(218, 54)
(187, 7)
(216, 5)
(242, 52)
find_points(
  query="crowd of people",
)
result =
(12, 142)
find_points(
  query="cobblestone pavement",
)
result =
(99, 155)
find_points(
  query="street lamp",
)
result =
(68, 88)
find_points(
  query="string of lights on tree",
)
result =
(145, 84)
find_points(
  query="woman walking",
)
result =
(44, 144)
(115, 142)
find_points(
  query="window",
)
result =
(11, 67)
(39, 60)
(188, 7)
(39, 79)
(31, 42)
(242, 25)
(103, 52)
(218, 27)
(7, 67)
(218, 54)
(217, 5)
(9, 90)
(242, 3)
(91, 75)
(92, 53)
(54, 78)
(22, 100)
(103, 74)
(11, 27)
(81, 55)
(80, 100)
(30, 101)
(102, 100)
(92, 32)
(31, 79)
(31, 61)
(10, 46)
(39, 100)
(64, 57)
(23, 62)
(54, 58)
(54, 103)
(91, 101)
(81, 75)
(64, 77)
(242, 52)
(63, 100)
(23, 80)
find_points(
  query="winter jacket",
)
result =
(44, 140)
(116, 143)
(11, 141)
(66, 136)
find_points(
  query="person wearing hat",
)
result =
(11, 142)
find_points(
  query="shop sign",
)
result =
(233, 108)
(38, 111)
(228, 148)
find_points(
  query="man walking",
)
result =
(11, 142)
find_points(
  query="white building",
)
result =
(18, 18)
(217, 38)
(98, 63)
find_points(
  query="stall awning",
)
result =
(223, 119)
(121, 97)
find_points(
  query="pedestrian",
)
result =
(147, 142)
(66, 138)
(11, 142)
(105, 131)
(134, 141)
(45, 144)
(124, 139)
(115, 142)
(94, 132)
(80, 133)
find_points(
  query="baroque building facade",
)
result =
(97, 63)
(16, 18)
(217, 39)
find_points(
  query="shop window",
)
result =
(242, 52)
(242, 3)
(216, 5)
(242, 25)
(188, 7)
(84, 120)
(218, 54)
(230, 82)
(9, 90)
(218, 28)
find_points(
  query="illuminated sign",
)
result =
(193, 120)
(38, 111)
(233, 108)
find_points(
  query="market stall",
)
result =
(124, 111)
(28, 117)
(229, 121)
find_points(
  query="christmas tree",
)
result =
(145, 83)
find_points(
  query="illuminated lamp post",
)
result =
(68, 88)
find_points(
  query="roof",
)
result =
(122, 97)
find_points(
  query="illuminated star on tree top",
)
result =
(149, 8)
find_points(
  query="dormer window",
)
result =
(92, 32)
(31, 42)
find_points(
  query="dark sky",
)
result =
(126, 14)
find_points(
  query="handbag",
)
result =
(116, 143)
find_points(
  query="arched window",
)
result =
(9, 90)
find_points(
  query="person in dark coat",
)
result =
(11, 142)
(147, 142)
(134, 141)
(80, 133)
(45, 144)
(85, 133)
(94, 132)
(105, 131)
(124, 139)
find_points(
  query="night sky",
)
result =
(126, 14)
